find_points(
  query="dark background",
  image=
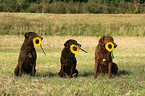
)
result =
(74, 6)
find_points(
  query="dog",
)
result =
(103, 58)
(68, 60)
(27, 57)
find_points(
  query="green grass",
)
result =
(128, 55)
(72, 24)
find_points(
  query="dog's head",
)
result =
(31, 35)
(69, 42)
(104, 40)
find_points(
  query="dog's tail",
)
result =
(16, 71)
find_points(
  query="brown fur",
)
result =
(103, 58)
(68, 60)
(27, 56)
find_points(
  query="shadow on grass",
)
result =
(47, 74)
(91, 73)
(123, 72)
(51, 74)
(86, 74)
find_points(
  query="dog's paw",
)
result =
(66, 75)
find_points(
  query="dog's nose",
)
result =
(79, 45)
(115, 45)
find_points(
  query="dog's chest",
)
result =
(71, 61)
(106, 59)
(103, 60)
(32, 56)
(68, 61)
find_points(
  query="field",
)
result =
(73, 24)
(129, 56)
(127, 30)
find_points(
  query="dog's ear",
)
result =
(66, 44)
(26, 35)
(102, 39)
(101, 42)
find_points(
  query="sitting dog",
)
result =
(103, 58)
(27, 56)
(68, 60)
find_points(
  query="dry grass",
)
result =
(55, 43)
(73, 24)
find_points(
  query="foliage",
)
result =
(73, 6)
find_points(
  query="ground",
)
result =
(129, 56)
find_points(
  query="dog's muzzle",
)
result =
(41, 38)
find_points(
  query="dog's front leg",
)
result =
(20, 68)
(109, 69)
(63, 72)
(96, 69)
(33, 69)
(101, 69)
(71, 72)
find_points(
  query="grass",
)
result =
(128, 55)
(72, 24)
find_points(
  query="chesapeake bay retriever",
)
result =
(103, 58)
(68, 60)
(27, 56)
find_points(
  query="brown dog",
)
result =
(27, 56)
(68, 60)
(103, 58)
